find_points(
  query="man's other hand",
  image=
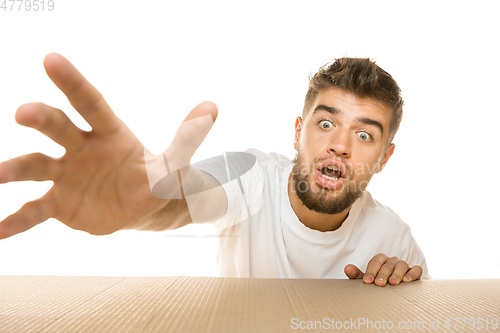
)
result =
(382, 269)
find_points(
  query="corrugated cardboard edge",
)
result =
(207, 304)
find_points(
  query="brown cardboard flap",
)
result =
(208, 304)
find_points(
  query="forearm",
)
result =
(205, 203)
(174, 215)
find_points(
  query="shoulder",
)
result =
(382, 227)
(375, 214)
(271, 160)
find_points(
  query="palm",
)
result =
(104, 184)
(101, 183)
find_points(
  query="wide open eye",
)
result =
(325, 124)
(364, 136)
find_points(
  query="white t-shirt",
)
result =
(261, 237)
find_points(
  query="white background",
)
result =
(153, 61)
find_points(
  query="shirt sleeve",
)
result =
(416, 257)
(393, 237)
(241, 177)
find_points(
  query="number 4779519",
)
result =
(472, 323)
(27, 5)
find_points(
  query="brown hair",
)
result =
(363, 78)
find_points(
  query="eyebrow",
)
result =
(335, 111)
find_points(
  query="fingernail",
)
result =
(380, 279)
(393, 278)
(368, 278)
(407, 278)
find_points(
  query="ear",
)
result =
(388, 153)
(298, 128)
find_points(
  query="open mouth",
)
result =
(331, 172)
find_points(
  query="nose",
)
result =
(340, 143)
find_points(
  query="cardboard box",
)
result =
(207, 304)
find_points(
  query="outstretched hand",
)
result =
(382, 269)
(101, 183)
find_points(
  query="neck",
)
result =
(312, 219)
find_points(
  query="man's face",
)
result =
(341, 144)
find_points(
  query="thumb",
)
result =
(353, 272)
(190, 135)
(162, 170)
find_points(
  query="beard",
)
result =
(324, 200)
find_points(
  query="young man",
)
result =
(307, 218)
